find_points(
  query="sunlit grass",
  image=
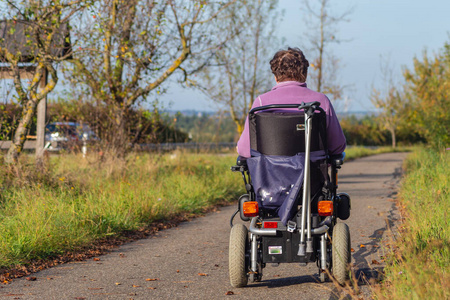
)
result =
(419, 267)
(83, 201)
(354, 152)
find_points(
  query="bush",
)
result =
(364, 131)
(143, 126)
(427, 88)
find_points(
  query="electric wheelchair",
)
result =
(291, 202)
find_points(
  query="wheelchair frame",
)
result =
(305, 238)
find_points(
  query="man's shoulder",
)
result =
(315, 94)
(293, 93)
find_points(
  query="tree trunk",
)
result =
(394, 143)
(321, 47)
(117, 137)
(20, 135)
(239, 126)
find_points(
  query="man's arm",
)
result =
(336, 138)
(243, 145)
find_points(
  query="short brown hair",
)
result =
(289, 64)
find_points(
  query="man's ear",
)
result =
(275, 79)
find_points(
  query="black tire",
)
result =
(343, 207)
(341, 255)
(236, 259)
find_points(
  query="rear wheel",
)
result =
(341, 255)
(237, 265)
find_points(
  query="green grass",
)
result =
(78, 202)
(354, 152)
(419, 266)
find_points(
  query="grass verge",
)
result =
(78, 202)
(418, 267)
(354, 152)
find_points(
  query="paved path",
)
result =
(191, 260)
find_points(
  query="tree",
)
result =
(39, 47)
(321, 33)
(242, 65)
(130, 47)
(390, 101)
(391, 108)
(427, 89)
(363, 131)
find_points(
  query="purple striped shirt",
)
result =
(294, 92)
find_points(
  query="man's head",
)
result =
(289, 65)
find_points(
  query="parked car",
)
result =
(68, 135)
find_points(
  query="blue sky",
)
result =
(393, 29)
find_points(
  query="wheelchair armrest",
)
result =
(241, 164)
(337, 160)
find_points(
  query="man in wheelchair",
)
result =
(290, 139)
(290, 69)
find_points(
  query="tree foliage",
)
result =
(362, 131)
(129, 48)
(417, 110)
(428, 90)
(9, 118)
(205, 127)
(366, 131)
(145, 126)
(390, 102)
(392, 110)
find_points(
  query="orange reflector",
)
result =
(250, 209)
(270, 225)
(325, 208)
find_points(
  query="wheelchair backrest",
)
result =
(283, 132)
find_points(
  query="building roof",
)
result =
(15, 36)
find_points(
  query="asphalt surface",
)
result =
(191, 260)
